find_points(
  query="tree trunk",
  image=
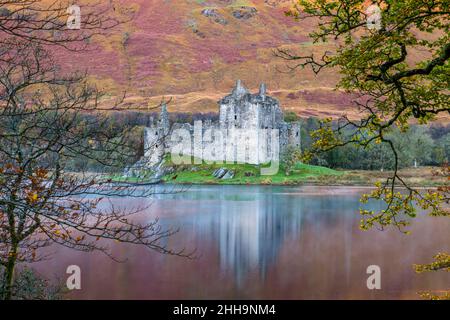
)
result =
(9, 273)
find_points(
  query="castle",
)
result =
(251, 129)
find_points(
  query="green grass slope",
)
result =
(250, 174)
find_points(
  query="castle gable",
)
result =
(240, 95)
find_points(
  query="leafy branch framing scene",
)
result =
(49, 122)
(398, 73)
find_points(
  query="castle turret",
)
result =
(239, 90)
(262, 91)
(163, 122)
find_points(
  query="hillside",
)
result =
(194, 50)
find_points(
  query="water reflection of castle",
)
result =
(251, 236)
(249, 226)
(253, 229)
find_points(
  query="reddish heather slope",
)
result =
(194, 50)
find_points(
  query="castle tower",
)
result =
(155, 137)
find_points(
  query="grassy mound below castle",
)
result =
(249, 174)
(301, 174)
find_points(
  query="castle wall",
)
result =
(154, 144)
(294, 135)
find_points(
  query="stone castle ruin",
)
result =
(251, 129)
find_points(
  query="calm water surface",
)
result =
(262, 242)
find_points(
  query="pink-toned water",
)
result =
(262, 243)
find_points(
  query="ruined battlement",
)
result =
(241, 94)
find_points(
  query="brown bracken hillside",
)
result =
(192, 51)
